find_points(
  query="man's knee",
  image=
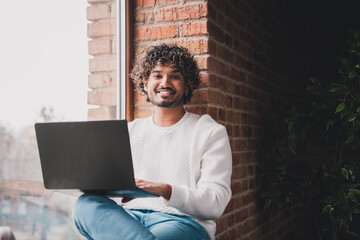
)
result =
(90, 206)
(87, 205)
(81, 205)
(6, 234)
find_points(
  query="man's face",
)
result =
(165, 87)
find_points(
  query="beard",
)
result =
(166, 102)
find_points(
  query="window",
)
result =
(44, 77)
(125, 54)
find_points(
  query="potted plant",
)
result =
(308, 152)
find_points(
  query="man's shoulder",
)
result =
(139, 122)
(205, 121)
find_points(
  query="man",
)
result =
(182, 157)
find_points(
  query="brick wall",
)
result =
(101, 15)
(249, 65)
(172, 21)
(242, 50)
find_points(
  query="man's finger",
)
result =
(126, 199)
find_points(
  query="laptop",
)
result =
(93, 157)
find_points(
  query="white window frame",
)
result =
(121, 59)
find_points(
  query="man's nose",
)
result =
(165, 81)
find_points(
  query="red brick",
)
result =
(241, 215)
(102, 113)
(102, 79)
(236, 187)
(248, 198)
(169, 31)
(113, 9)
(102, 97)
(194, 28)
(221, 114)
(226, 85)
(192, 11)
(228, 101)
(212, 111)
(240, 172)
(197, 46)
(98, 1)
(217, 98)
(200, 96)
(99, 46)
(229, 129)
(99, 29)
(144, 3)
(236, 157)
(240, 145)
(236, 117)
(253, 119)
(102, 64)
(165, 2)
(244, 118)
(230, 206)
(202, 62)
(253, 144)
(252, 209)
(255, 235)
(208, 80)
(144, 17)
(196, 109)
(97, 12)
(221, 224)
(216, 66)
(225, 54)
(142, 113)
(240, 104)
(216, 32)
(238, 201)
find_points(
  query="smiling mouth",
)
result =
(165, 91)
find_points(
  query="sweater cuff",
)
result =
(178, 197)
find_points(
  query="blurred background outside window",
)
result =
(43, 77)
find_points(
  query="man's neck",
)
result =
(166, 117)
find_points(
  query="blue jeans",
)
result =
(98, 218)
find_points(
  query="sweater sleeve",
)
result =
(208, 199)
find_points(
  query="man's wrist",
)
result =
(167, 192)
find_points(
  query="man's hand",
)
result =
(162, 189)
(126, 199)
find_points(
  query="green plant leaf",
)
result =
(349, 139)
(326, 209)
(354, 191)
(330, 123)
(344, 61)
(340, 107)
(352, 74)
(352, 117)
(331, 213)
(291, 149)
(290, 125)
(345, 173)
(352, 197)
(267, 203)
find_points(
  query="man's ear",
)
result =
(146, 85)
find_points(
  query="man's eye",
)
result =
(157, 76)
(175, 77)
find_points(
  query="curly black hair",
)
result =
(173, 55)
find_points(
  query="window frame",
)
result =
(124, 36)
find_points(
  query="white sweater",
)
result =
(194, 156)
